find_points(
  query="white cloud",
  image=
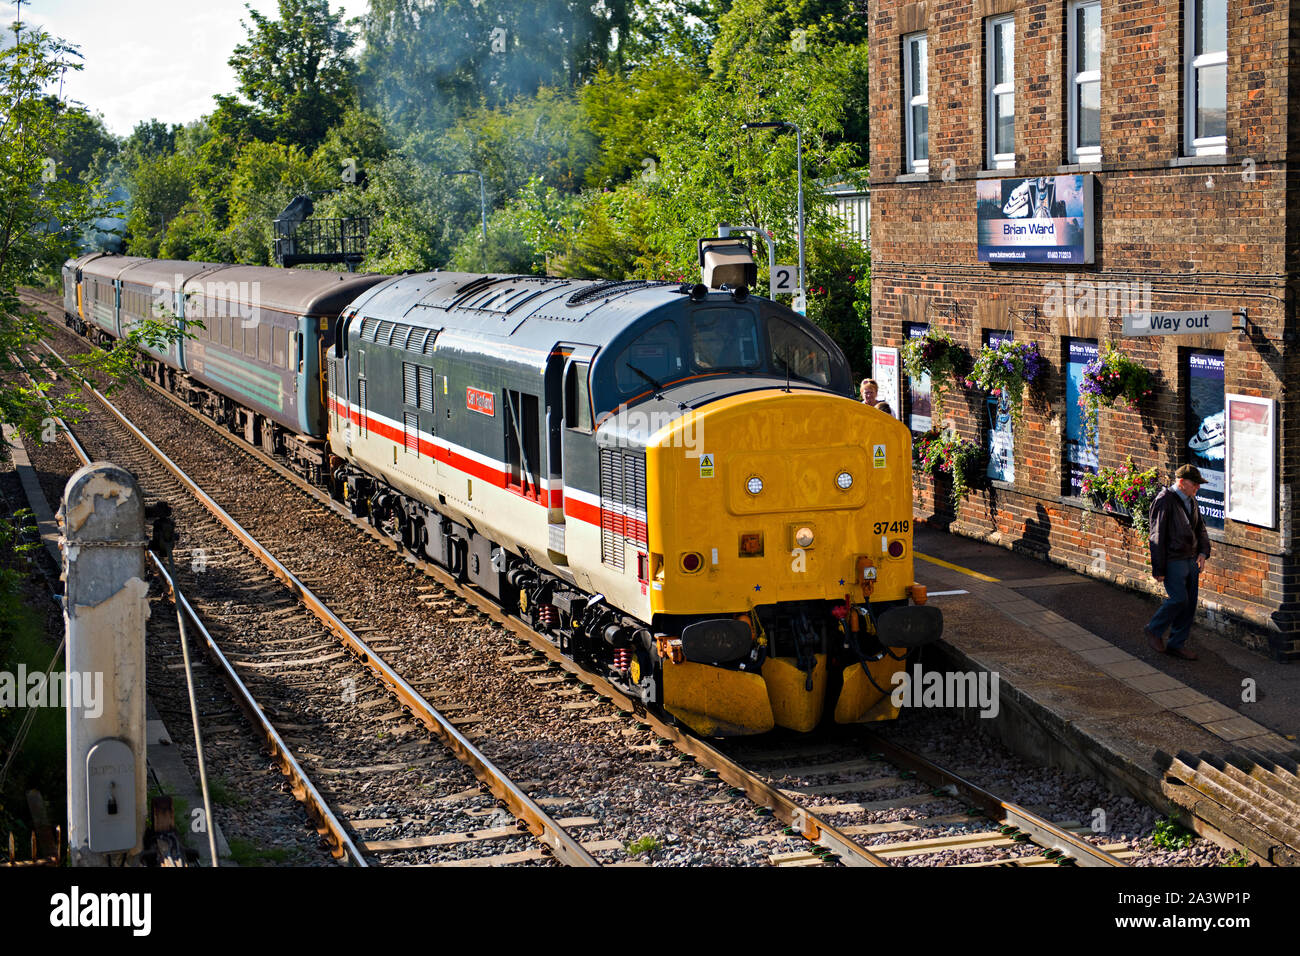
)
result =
(145, 60)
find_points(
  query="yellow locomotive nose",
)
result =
(787, 497)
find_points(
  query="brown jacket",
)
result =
(1173, 534)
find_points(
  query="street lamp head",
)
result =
(775, 124)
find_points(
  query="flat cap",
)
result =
(1190, 473)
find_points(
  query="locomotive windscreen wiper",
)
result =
(659, 389)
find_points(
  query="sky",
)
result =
(146, 59)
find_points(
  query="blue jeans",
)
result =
(1181, 582)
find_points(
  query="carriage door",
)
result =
(339, 385)
(569, 438)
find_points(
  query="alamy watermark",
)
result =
(946, 689)
(84, 692)
(211, 299)
(1107, 299)
(633, 426)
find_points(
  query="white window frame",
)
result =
(912, 99)
(1081, 154)
(998, 160)
(1193, 64)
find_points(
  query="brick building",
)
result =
(1156, 137)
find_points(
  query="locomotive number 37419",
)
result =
(891, 527)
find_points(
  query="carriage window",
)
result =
(577, 400)
(795, 349)
(656, 354)
(264, 343)
(281, 342)
(724, 339)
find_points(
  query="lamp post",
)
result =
(786, 124)
(482, 199)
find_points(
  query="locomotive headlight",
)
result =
(754, 485)
(804, 537)
(844, 480)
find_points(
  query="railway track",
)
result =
(816, 839)
(278, 675)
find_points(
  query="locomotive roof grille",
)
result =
(613, 287)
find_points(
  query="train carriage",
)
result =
(99, 291)
(674, 482)
(671, 482)
(151, 289)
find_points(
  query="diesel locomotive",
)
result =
(670, 481)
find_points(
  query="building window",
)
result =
(1206, 103)
(1080, 448)
(1085, 82)
(1000, 72)
(916, 92)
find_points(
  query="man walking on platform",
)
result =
(1180, 546)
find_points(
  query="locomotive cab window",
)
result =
(655, 355)
(796, 350)
(724, 339)
(577, 399)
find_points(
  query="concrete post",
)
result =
(105, 607)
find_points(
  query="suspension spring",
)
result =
(622, 658)
(548, 615)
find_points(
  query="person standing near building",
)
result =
(868, 391)
(1180, 546)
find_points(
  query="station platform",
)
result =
(1079, 683)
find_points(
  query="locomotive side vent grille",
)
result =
(411, 421)
(426, 389)
(622, 504)
(410, 385)
(428, 343)
(384, 335)
(611, 516)
(634, 498)
(363, 405)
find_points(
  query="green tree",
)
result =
(160, 189)
(628, 113)
(296, 71)
(266, 177)
(42, 214)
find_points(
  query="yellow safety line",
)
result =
(956, 567)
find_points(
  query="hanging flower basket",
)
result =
(937, 355)
(1005, 370)
(940, 453)
(1125, 492)
(1109, 379)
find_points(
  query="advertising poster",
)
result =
(884, 369)
(918, 389)
(1207, 430)
(1001, 440)
(1249, 460)
(1079, 451)
(1044, 219)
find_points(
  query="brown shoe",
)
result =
(1181, 653)
(1155, 640)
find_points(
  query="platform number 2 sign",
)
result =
(785, 280)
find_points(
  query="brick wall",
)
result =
(1213, 233)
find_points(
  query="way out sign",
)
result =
(1178, 323)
